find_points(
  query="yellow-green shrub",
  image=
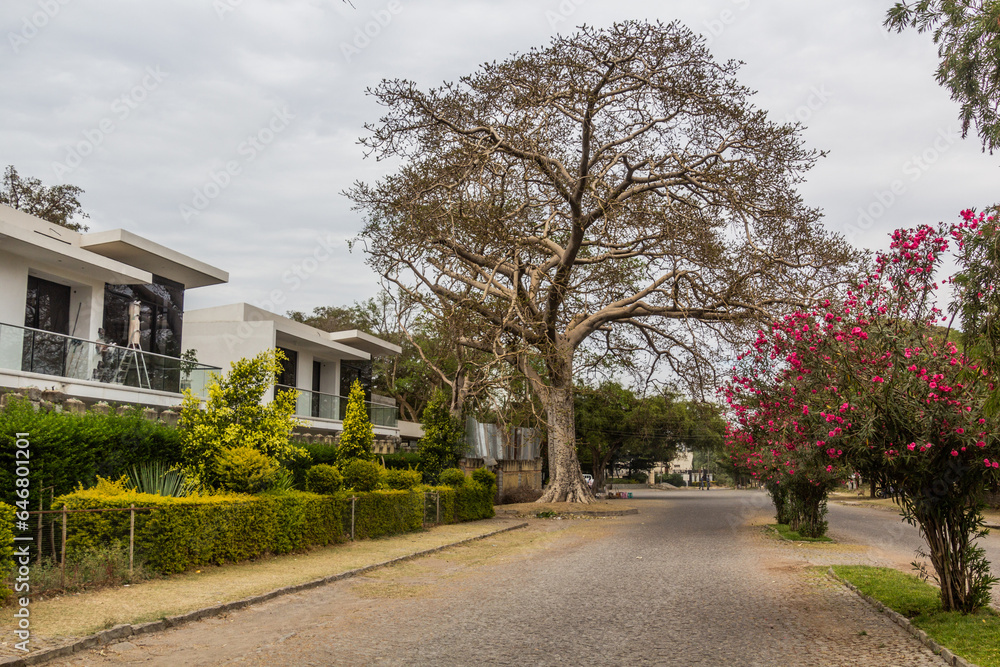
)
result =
(400, 480)
(6, 548)
(361, 475)
(452, 477)
(469, 502)
(244, 470)
(325, 479)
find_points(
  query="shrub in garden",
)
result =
(358, 437)
(67, 449)
(401, 460)
(297, 461)
(452, 477)
(872, 382)
(443, 438)
(244, 470)
(234, 416)
(400, 480)
(361, 475)
(324, 479)
(6, 548)
(485, 477)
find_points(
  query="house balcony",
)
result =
(314, 405)
(93, 371)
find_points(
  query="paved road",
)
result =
(688, 581)
(892, 541)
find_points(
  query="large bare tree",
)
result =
(615, 192)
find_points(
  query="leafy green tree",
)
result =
(58, 204)
(358, 437)
(615, 425)
(612, 192)
(443, 439)
(234, 416)
(967, 33)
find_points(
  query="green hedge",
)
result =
(181, 533)
(186, 532)
(469, 502)
(6, 548)
(68, 449)
(381, 513)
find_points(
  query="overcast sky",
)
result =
(140, 104)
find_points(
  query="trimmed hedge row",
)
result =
(185, 532)
(469, 502)
(181, 533)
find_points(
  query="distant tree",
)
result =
(58, 204)
(612, 194)
(358, 437)
(615, 425)
(967, 33)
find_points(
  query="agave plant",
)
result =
(158, 478)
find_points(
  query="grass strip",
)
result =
(975, 637)
(787, 533)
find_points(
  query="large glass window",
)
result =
(161, 313)
(356, 370)
(46, 307)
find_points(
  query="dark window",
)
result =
(317, 371)
(356, 370)
(287, 376)
(46, 307)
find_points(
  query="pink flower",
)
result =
(954, 453)
(877, 378)
(911, 446)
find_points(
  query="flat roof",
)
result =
(373, 345)
(37, 240)
(132, 249)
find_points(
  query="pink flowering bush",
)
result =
(874, 382)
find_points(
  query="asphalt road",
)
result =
(691, 580)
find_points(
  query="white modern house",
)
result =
(97, 317)
(320, 366)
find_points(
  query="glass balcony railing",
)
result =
(329, 406)
(36, 351)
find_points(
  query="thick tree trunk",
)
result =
(565, 479)
(600, 464)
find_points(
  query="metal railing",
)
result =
(36, 351)
(330, 406)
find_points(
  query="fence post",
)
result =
(353, 499)
(437, 496)
(131, 537)
(425, 508)
(41, 508)
(62, 564)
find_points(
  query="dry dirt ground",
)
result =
(693, 579)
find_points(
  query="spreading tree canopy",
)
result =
(613, 194)
(967, 33)
(59, 204)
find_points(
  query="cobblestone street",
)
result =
(691, 580)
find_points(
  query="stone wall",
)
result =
(56, 401)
